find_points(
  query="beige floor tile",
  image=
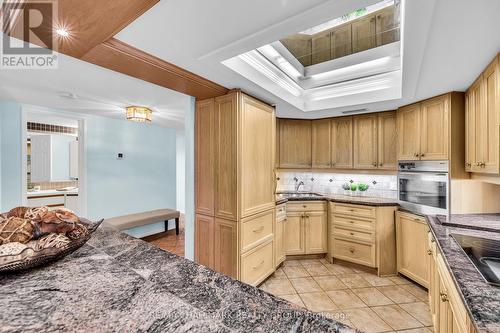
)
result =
(291, 263)
(398, 294)
(278, 287)
(396, 317)
(354, 281)
(293, 298)
(419, 310)
(338, 269)
(399, 280)
(340, 316)
(371, 296)
(305, 285)
(417, 291)
(367, 321)
(345, 299)
(328, 283)
(377, 281)
(279, 273)
(310, 262)
(295, 272)
(324, 261)
(318, 302)
(317, 270)
(417, 330)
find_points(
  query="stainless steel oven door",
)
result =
(424, 192)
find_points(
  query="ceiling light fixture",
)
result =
(62, 32)
(140, 114)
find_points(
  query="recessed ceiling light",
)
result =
(62, 32)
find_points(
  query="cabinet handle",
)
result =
(352, 234)
(255, 267)
(422, 155)
(259, 229)
(415, 155)
(304, 206)
(374, 164)
(429, 252)
(444, 297)
(381, 165)
(351, 249)
(352, 222)
(482, 164)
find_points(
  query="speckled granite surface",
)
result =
(119, 284)
(481, 298)
(367, 201)
(486, 222)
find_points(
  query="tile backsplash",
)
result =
(382, 186)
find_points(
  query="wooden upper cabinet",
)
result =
(226, 156)
(321, 143)
(257, 136)
(472, 114)
(205, 157)
(387, 139)
(434, 139)
(363, 34)
(295, 143)
(342, 143)
(386, 26)
(408, 122)
(341, 41)
(365, 142)
(487, 130)
(321, 48)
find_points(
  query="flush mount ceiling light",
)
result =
(139, 114)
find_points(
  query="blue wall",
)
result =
(10, 155)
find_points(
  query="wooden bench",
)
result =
(130, 221)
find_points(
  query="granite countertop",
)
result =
(486, 222)
(481, 299)
(116, 283)
(305, 196)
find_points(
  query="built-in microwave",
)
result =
(424, 186)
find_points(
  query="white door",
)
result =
(40, 158)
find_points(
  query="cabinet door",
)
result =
(341, 41)
(300, 47)
(470, 130)
(204, 240)
(257, 135)
(226, 247)
(365, 142)
(435, 128)
(408, 119)
(295, 143)
(294, 234)
(387, 27)
(411, 247)
(342, 143)
(316, 232)
(488, 129)
(205, 157)
(321, 48)
(226, 116)
(363, 34)
(387, 159)
(41, 159)
(321, 141)
(475, 104)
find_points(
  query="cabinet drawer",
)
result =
(257, 264)
(354, 210)
(302, 206)
(353, 223)
(51, 201)
(354, 234)
(256, 229)
(359, 253)
(281, 212)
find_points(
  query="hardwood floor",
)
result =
(169, 241)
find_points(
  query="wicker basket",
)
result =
(30, 258)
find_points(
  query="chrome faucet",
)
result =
(298, 186)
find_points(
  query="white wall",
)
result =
(181, 171)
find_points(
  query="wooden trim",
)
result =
(121, 57)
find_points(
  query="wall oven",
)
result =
(424, 187)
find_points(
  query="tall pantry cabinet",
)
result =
(235, 186)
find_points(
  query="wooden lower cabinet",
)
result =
(279, 234)
(448, 311)
(411, 244)
(204, 234)
(306, 228)
(257, 264)
(226, 247)
(363, 235)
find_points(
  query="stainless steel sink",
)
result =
(484, 254)
(300, 195)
